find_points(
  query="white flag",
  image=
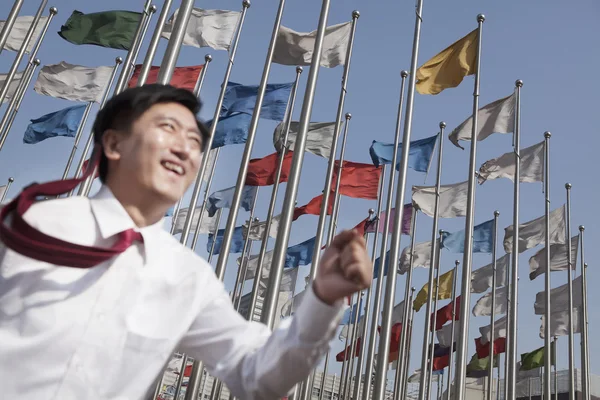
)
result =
(500, 326)
(73, 82)
(452, 200)
(212, 155)
(2, 190)
(347, 329)
(415, 377)
(288, 280)
(318, 138)
(496, 117)
(532, 166)
(398, 313)
(481, 279)
(291, 306)
(559, 323)
(19, 31)
(444, 335)
(559, 298)
(14, 84)
(257, 232)
(209, 224)
(421, 257)
(558, 259)
(483, 307)
(533, 232)
(207, 28)
(296, 48)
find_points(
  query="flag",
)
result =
(482, 239)
(313, 207)
(500, 326)
(532, 166)
(448, 68)
(406, 220)
(14, 84)
(223, 199)
(444, 335)
(257, 231)
(533, 232)
(421, 257)
(444, 314)
(207, 28)
(559, 323)
(113, 29)
(237, 241)
(291, 306)
(527, 375)
(296, 48)
(363, 226)
(483, 307)
(64, 122)
(183, 77)
(478, 367)
(419, 153)
(481, 279)
(345, 354)
(347, 329)
(73, 82)
(559, 298)
(3, 190)
(440, 363)
(262, 171)
(358, 180)
(318, 138)
(208, 225)
(349, 315)
(397, 312)
(17, 33)
(299, 254)
(535, 359)
(440, 351)
(558, 259)
(452, 199)
(242, 98)
(232, 129)
(288, 280)
(483, 350)
(496, 117)
(444, 290)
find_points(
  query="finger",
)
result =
(343, 238)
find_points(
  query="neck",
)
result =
(143, 210)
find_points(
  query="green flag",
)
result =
(478, 367)
(535, 359)
(114, 29)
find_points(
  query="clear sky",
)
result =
(550, 45)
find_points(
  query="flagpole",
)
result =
(8, 184)
(382, 253)
(336, 197)
(555, 369)
(431, 332)
(585, 354)
(493, 313)
(245, 259)
(547, 313)
(171, 55)
(461, 357)
(269, 220)
(346, 361)
(570, 287)
(213, 128)
(348, 378)
(434, 251)
(245, 251)
(10, 21)
(406, 362)
(151, 52)
(80, 128)
(451, 357)
(209, 179)
(148, 17)
(184, 359)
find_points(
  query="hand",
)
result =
(345, 268)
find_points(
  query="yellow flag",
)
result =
(448, 68)
(444, 292)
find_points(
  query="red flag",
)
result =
(262, 171)
(441, 362)
(444, 314)
(183, 77)
(341, 356)
(313, 207)
(394, 341)
(483, 350)
(358, 180)
(187, 371)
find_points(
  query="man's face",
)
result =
(161, 154)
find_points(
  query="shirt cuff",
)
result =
(317, 321)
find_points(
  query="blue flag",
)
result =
(223, 199)
(232, 129)
(300, 254)
(419, 155)
(59, 123)
(376, 265)
(350, 314)
(482, 239)
(237, 241)
(242, 98)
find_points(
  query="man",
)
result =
(95, 295)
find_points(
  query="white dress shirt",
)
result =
(107, 332)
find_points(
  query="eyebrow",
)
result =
(194, 128)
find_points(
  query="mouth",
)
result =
(173, 167)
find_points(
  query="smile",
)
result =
(176, 168)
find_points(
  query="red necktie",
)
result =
(28, 241)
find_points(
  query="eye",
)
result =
(168, 126)
(195, 139)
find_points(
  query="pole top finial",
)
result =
(496, 213)
(371, 211)
(246, 3)
(299, 70)
(53, 10)
(256, 219)
(547, 134)
(567, 186)
(37, 61)
(442, 125)
(456, 262)
(119, 60)
(581, 228)
(208, 58)
(348, 116)
(585, 265)
(519, 83)
(441, 232)
(153, 8)
(11, 179)
(413, 289)
(480, 18)
(355, 14)
(404, 73)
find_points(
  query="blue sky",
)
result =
(546, 44)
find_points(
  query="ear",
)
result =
(111, 144)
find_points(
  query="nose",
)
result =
(181, 148)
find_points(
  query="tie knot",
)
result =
(129, 236)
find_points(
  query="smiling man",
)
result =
(95, 295)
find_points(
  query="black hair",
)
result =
(121, 111)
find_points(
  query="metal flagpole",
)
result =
(246, 250)
(80, 129)
(431, 332)
(245, 259)
(171, 55)
(493, 313)
(347, 358)
(511, 337)
(344, 361)
(570, 287)
(13, 69)
(148, 17)
(338, 180)
(208, 179)
(151, 52)
(547, 314)
(404, 377)
(508, 330)
(20, 94)
(451, 357)
(585, 352)
(383, 254)
(434, 249)
(10, 181)
(555, 369)
(10, 21)
(184, 359)
(348, 377)
(274, 192)
(461, 356)
(213, 128)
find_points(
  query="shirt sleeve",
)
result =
(252, 361)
